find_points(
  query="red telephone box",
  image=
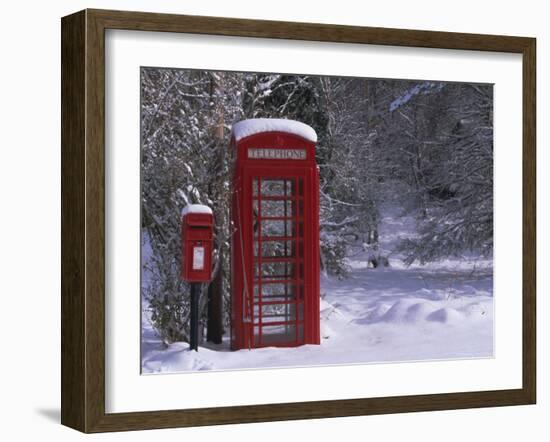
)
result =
(197, 228)
(275, 245)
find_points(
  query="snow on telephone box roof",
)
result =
(196, 208)
(245, 128)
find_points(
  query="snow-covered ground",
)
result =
(442, 310)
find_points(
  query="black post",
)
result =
(194, 332)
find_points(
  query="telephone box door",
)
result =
(278, 213)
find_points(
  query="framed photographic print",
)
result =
(267, 220)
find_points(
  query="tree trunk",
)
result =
(214, 323)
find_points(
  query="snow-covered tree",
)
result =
(186, 117)
(457, 179)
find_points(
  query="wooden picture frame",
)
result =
(83, 220)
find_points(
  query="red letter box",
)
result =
(197, 229)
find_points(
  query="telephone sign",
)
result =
(277, 154)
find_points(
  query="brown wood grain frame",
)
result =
(83, 220)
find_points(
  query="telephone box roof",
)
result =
(196, 208)
(245, 128)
